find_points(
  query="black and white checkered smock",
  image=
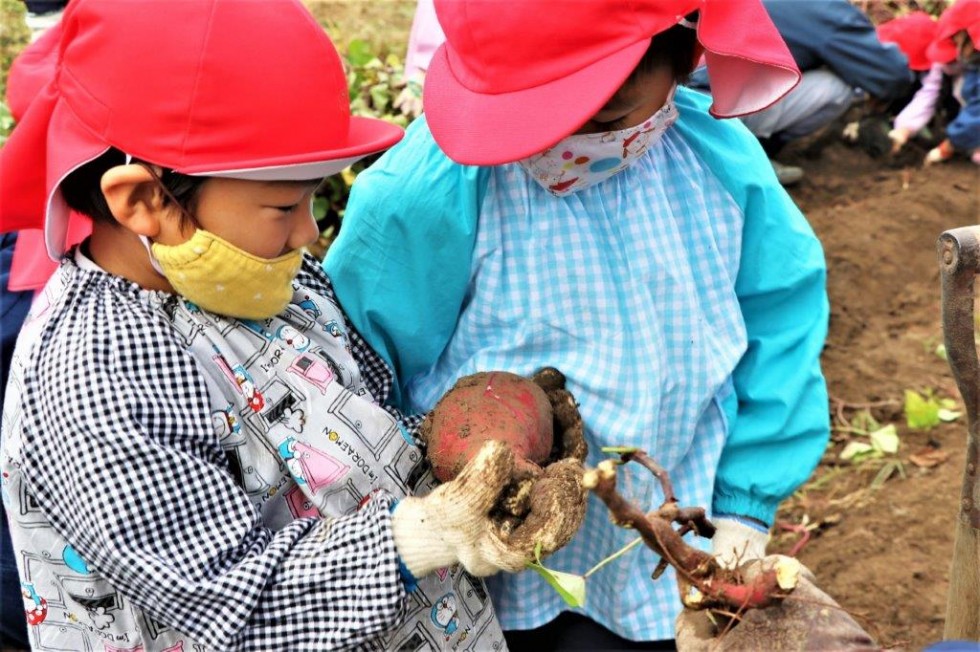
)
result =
(129, 519)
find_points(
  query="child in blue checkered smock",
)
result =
(651, 256)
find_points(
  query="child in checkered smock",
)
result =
(195, 454)
(563, 201)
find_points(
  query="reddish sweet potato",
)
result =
(493, 405)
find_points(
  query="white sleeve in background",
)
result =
(920, 110)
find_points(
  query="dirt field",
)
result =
(884, 552)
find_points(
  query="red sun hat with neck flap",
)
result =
(232, 88)
(962, 15)
(516, 76)
(912, 34)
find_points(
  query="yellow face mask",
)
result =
(221, 278)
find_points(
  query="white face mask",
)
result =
(582, 160)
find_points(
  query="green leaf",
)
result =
(320, 207)
(380, 97)
(885, 439)
(359, 52)
(570, 587)
(858, 450)
(941, 352)
(921, 412)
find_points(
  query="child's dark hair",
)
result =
(673, 48)
(82, 189)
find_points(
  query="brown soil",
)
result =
(883, 553)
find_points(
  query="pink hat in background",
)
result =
(231, 88)
(912, 33)
(961, 15)
(514, 78)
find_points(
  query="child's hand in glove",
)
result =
(735, 542)
(941, 152)
(452, 524)
(899, 137)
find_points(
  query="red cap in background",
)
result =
(962, 15)
(912, 34)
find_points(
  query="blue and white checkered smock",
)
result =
(627, 287)
(683, 298)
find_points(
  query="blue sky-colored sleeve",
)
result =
(779, 418)
(401, 263)
(964, 131)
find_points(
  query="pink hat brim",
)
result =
(489, 129)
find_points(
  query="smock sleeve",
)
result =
(782, 425)
(922, 107)
(778, 414)
(401, 264)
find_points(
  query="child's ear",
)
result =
(134, 198)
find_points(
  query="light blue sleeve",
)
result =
(778, 416)
(401, 263)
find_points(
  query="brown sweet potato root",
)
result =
(703, 583)
(538, 418)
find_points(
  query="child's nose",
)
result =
(305, 230)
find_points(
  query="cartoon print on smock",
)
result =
(315, 430)
(444, 614)
(303, 437)
(35, 607)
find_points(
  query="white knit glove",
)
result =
(736, 543)
(941, 152)
(452, 524)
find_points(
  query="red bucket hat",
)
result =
(513, 78)
(962, 15)
(912, 33)
(231, 88)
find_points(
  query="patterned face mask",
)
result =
(582, 160)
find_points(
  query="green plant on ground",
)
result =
(926, 411)
(373, 84)
(384, 25)
(14, 36)
(6, 123)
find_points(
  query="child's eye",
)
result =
(287, 209)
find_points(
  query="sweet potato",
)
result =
(493, 405)
(543, 505)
